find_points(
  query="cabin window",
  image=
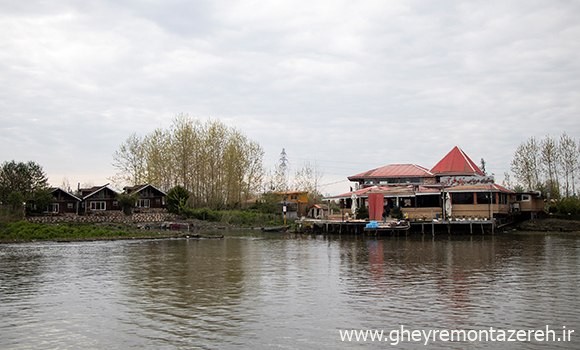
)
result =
(70, 206)
(143, 203)
(98, 205)
(115, 204)
(53, 208)
(462, 198)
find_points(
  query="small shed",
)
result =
(318, 211)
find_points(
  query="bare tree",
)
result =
(569, 158)
(217, 165)
(526, 166)
(550, 159)
(307, 179)
(130, 161)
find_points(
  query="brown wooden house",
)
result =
(63, 202)
(148, 197)
(99, 199)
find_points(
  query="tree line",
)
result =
(218, 165)
(23, 186)
(551, 165)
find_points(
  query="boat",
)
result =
(387, 226)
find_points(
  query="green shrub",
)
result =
(568, 206)
(177, 200)
(204, 214)
(362, 212)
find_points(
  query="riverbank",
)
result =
(22, 231)
(550, 225)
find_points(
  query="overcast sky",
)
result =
(348, 85)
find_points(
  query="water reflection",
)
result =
(182, 292)
(283, 291)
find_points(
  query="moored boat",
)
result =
(388, 226)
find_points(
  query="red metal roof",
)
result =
(479, 188)
(456, 162)
(387, 190)
(394, 171)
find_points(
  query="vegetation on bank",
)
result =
(205, 219)
(23, 188)
(550, 165)
(550, 225)
(23, 231)
(565, 207)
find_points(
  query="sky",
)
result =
(346, 86)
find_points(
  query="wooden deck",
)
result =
(356, 227)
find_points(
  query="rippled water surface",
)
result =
(284, 291)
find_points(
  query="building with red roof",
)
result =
(456, 163)
(454, 188)
(394, 174)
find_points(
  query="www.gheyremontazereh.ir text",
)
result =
(404, 334)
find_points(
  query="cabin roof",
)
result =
(95, 189)
(456, 162)
(56, 189)
(139, 188)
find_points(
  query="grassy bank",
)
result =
(238, 218)
(23, 231)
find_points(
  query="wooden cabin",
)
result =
(529, 204)
(99, 199)
(63, 202)
(149, 197)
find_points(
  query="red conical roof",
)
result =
(456, 162)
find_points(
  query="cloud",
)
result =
(350, 85)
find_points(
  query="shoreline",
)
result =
(550, 225)
(24, 232)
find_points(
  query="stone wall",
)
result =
(117, 217)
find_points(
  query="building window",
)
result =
(115, 204)
(428, 201)
(483, 198)
(462, 198)
(143, 203)
(407, 202)
(100, 205)
(70, 205)
(503, 198)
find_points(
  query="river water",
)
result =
(278, 291)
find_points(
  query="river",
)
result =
(283, 291)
